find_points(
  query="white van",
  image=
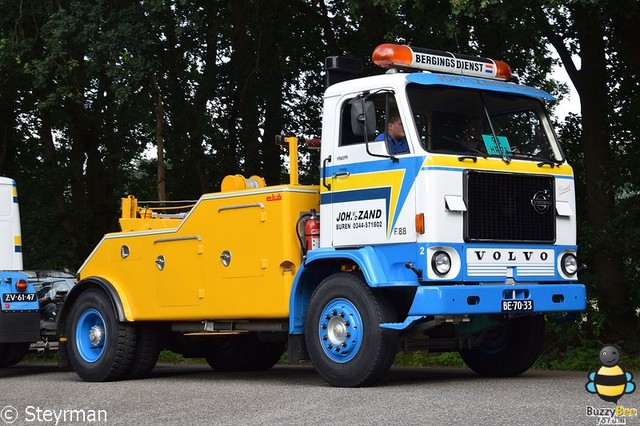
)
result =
(10, 236)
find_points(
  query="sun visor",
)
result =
(478, 83)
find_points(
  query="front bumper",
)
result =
(487, 299)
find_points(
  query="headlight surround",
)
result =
(569, 264)
(441, 263)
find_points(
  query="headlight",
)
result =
(441, 263)
(569, 264)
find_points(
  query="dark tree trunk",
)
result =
(159, 129)
(245, 62)
(591, 83)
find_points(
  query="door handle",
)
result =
(324, 173)
(341, 174)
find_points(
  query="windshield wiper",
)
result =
(502, 152)
(474, 156)
(552, 163)
(542, 161)
(475, 151)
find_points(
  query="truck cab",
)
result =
(485, 184)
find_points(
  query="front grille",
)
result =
(509, 207)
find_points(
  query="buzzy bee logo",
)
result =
(610, 383)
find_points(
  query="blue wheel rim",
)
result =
(91, 335)
(495, 344)
(340, 330)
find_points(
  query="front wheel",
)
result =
(100, 347)
(508, 350)
(345, 342)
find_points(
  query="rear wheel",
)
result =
(342, 332)
(146, 352)
(12, 353)
(508, 350)
(244, 352)
(100, 347)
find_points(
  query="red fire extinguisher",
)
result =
(312, 231)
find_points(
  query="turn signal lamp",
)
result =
(21, 285)
(388, 54)
(420, 223)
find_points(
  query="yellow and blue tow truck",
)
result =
(461, 242)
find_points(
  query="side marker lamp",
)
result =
(420, 223)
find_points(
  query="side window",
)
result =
(389, 125)
(389, 129)
(351, 108)
(347, 137)
(381, 115)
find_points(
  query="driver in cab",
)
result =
(395, 137)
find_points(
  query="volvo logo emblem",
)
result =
(541, 201)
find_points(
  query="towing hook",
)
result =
(418, 272)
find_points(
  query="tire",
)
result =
(147, 351)
(271, 354)
(508, 350)
(244, 352)
(12, 353)
(345, 343)
(100, 348)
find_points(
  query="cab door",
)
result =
(371, 195)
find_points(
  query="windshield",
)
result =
(468, 122)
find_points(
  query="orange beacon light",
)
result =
(388, 54)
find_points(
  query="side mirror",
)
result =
(363, 117)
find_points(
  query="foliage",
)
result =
(174, 358)
(425, 359)
(576, 345)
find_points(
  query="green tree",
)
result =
(582, 28)
(77, 63)
(596, 35)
